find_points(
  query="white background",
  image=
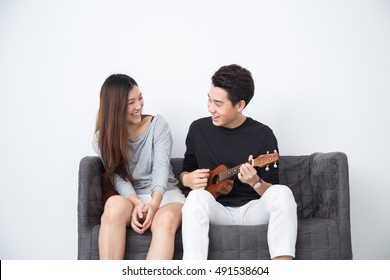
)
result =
(322, 75)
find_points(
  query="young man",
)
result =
(230, 138)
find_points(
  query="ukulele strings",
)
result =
(235, 170)
(229, 173)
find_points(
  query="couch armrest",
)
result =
(330, 182)
(89, 206)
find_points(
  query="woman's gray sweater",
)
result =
(149, 163)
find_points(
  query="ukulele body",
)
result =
(219, 182)
(216, 186)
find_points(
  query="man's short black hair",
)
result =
(237, 81)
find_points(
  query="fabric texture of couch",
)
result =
(320, 185)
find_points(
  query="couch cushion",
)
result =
(317, 239)
(238, 242)
(294, 172)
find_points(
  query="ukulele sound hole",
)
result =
(215, 179)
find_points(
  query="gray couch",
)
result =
(321, 189)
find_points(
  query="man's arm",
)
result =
(248, 175)
(196, 179)
(260, 186)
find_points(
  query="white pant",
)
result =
(276, 207)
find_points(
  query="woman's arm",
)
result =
(162, 142)
(124, 188)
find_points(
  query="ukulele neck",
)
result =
(260, 161)
(230, 172)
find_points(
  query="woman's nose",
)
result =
(138, 104)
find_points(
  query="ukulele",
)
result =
(219, 182)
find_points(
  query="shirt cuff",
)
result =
(159, 189)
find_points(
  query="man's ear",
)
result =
(240, 105)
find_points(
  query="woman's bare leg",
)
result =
(112, 235)
(164, 226)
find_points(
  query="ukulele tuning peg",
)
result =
(267, 168)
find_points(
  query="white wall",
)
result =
(321, 69)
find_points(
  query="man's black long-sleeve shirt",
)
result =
(209, 146)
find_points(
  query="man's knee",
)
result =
(196, 196)
(282, 196)
(196, 200)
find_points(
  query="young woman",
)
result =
(135, 150)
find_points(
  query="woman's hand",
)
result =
(143, 214)
(149, 211)
(138, 217)
(142, 217)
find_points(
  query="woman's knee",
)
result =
(167, 220)
(116, 209)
